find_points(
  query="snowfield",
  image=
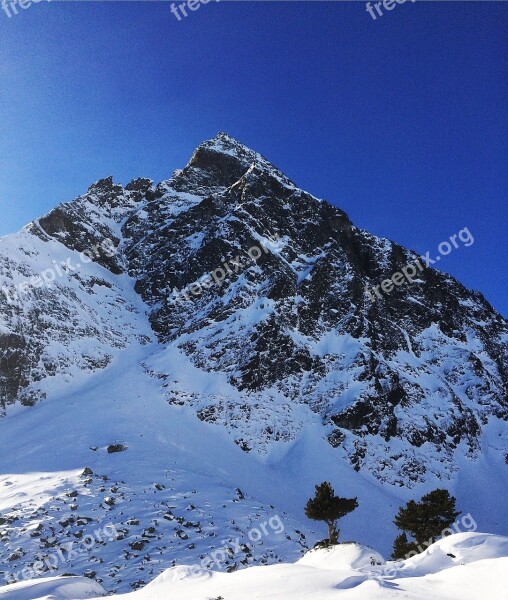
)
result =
(464, 566)
(180, 476)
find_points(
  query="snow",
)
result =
(348, 571)
(352, 555)
(198, 464)
(452, 550)
(53, 588)
(460, 567)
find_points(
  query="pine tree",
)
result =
(425, 520)
(402, 547)
(327, 507)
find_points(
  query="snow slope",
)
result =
(479, 570)
(179, 475)
(461, 567)
(53, 588)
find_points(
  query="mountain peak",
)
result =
(222, 161)
(106, 183)
(223, 142)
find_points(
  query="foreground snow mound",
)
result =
(342, 557)
(458, 549)
(53, 588)
(469, 547)
(476, 570)
(181, 573)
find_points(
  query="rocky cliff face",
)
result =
(262, 286)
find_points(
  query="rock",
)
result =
(116, 448)
(138, 544)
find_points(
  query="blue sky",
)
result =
(402, 122)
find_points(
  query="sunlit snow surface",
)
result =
(468, 566)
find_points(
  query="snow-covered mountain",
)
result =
(205, 346)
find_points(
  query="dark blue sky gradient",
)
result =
(402, 122)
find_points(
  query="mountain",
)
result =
(211, 342)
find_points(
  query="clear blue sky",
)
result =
(402, 122)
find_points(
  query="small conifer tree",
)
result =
(424, 521)
(327, 507)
